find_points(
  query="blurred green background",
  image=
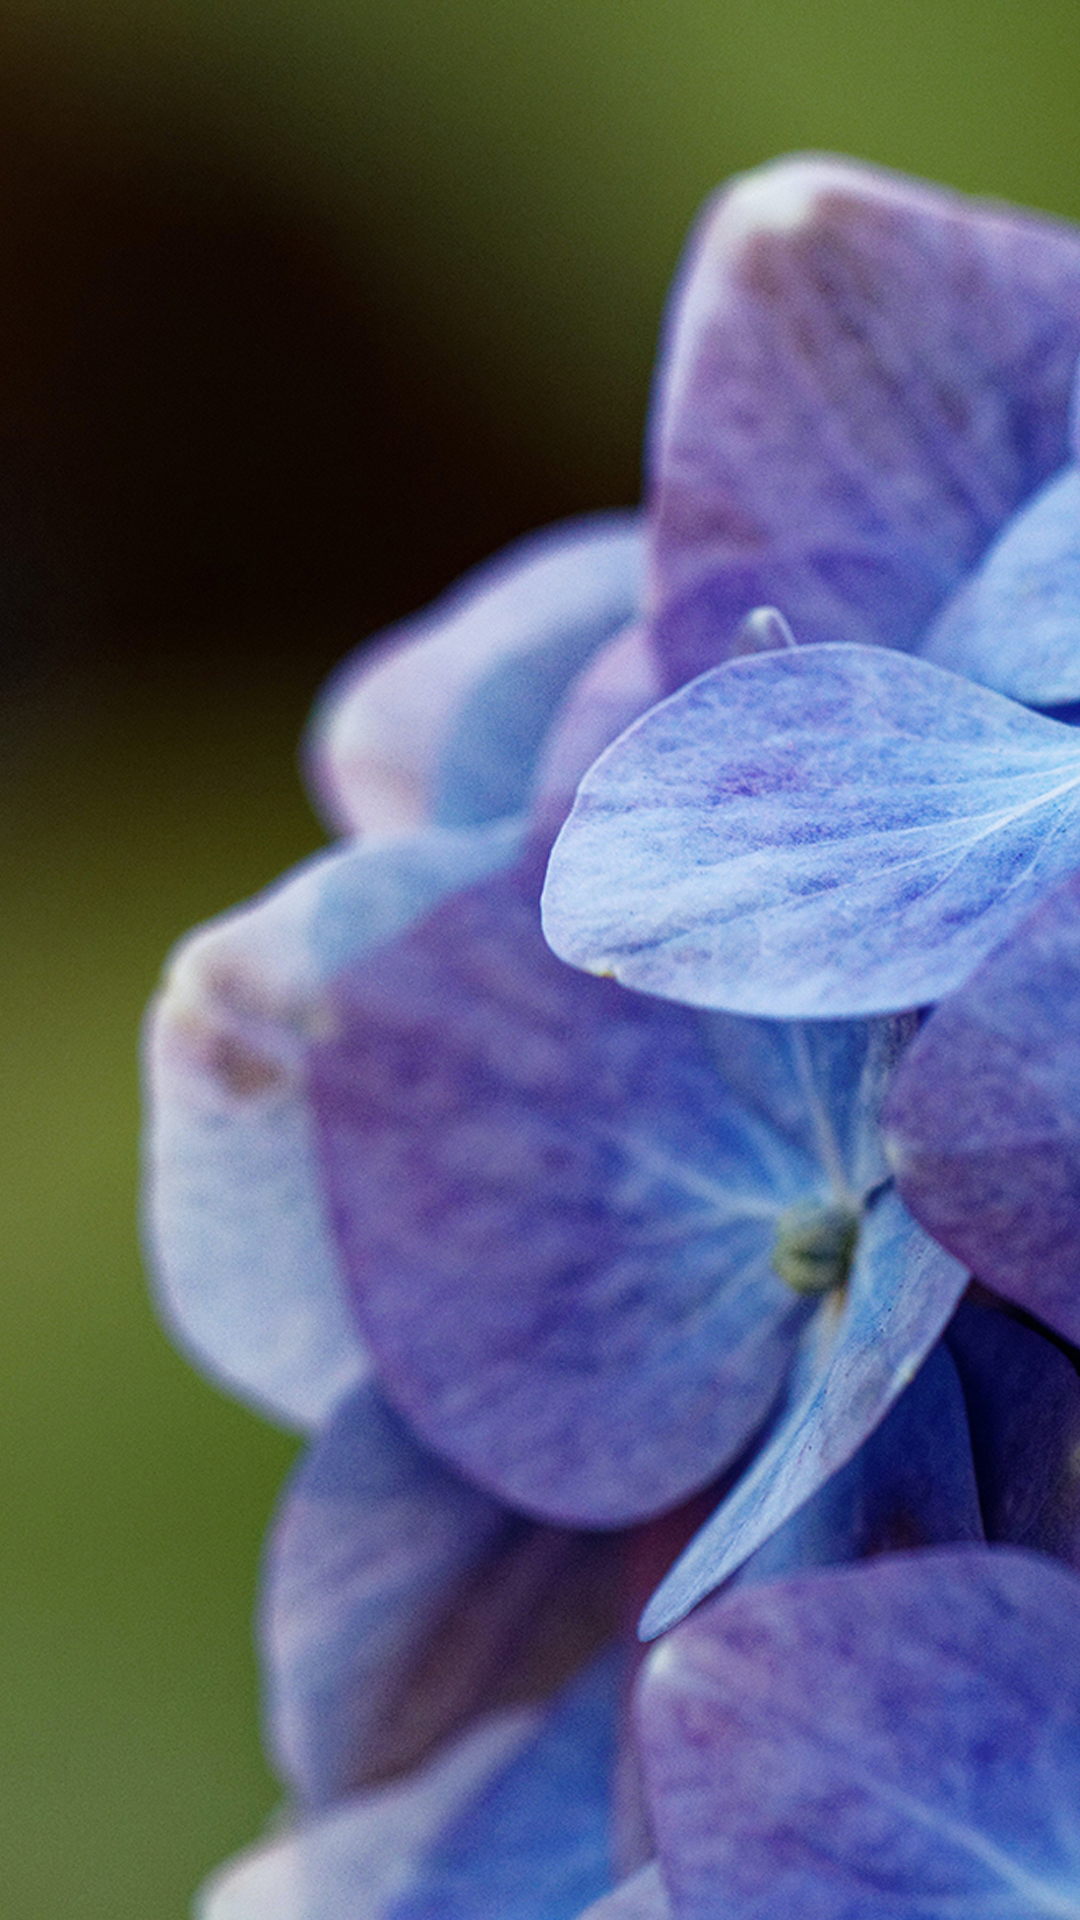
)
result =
(304, 305)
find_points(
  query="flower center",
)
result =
(814, 1247)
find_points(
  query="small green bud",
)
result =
(814, 1247)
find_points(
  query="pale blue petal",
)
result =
(1014, 624)
(509, 1823)
(859, 1357)
(242, 1245)
(442, 718)
(827, 831)
(357, 1861)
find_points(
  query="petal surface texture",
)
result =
(243, 1247)
(894, 1741)
(857, 1360)
(830, 830)
(863, 378)
(555, 1217)
(983, 1119)
(1014, 624)
(442, 719)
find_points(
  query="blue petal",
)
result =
(372, 1543)
(358, 1860)
(442, 719)
(894, 1741)
(857, 1361)
(1014, 624)
(510, 1823)
(556, 1220)
(911, 1484)
(245, 1254)
(862, 379)
(642, 1898)
(827, 831)
(535, 1845)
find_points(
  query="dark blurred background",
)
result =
(304, 306)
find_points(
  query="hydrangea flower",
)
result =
(538, 1258)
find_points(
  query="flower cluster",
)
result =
(711, 1273)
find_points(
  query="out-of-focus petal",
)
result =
(620, 683)
(243, 1247)
(1014, 623)
(1023, 1406)
(863, 378)
(899, 1739)
(400, 1603)
(443, 719)
(830, 831)
(642, 1898)
(555, 1219)
(510, 1824)
(357, 1861)
(373, 1538)
(982, 1120)
(859, 1357)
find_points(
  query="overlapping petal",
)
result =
(862, 379)
(644, 1897)
(400, 1603)
(243, 1247)
(509, 1823)
(555, 1218)
(983, 1119)
(833, 830)
(898, 1740)
(912, 1483)
(1022, 1396)
(1014, 624)
(859, 1357)
(443, 719)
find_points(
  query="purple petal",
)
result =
(556, 1220)
(642, 1898)
(827, 831)
(1023, 1406)
(372, 1542)
(443, 718)
(983, 1118)
(247, 1266)
(856, 1363)
(863, 379)
(899, 1740)
(1014, 624)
